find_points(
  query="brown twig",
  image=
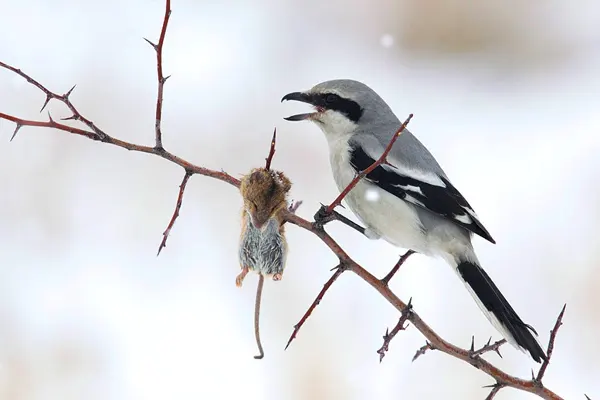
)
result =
(487, 348)
(271, 151)
(259, 289)
(184, 182)
(96, 133)
(433, 339)
(495, 389)
(362, 174)
(387, 338)
(338, 271)
(553, 333)
(161, 78)
(322, 217)
(422, 350)
(402, 260)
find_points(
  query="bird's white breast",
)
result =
(383, 213)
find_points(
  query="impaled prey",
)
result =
(263, 248)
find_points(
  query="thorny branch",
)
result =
(489, 346)
(495, 389)
(422, 350)
(434, 341)
(339, 269)
(271, 150)
(402, 260)
(400, 326)
(161, 78)
(553, 332)
(184, 182)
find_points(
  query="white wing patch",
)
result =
(470, 212)
(464, 218)
(422, 176)
(410, 188)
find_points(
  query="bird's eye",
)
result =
(331, 98)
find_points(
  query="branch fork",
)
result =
(433, 340)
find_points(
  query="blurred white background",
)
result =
(505, 94)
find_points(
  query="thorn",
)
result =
(532, 375)
(409, 305)
(498, 352)
(472, 344)
(66, 95)
(19, 126)
(422, 350)
(48, 98)
(587, 397)
(489, 341)
(164, 79)
(155, 47)
(72, 117)
(50, 117)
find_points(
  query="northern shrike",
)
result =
(408, 201)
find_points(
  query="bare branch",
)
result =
(184, 182)
(487, 348)
(271, 151)
(323, 217)
(188, 166)
(495, 389)
(553, 333)
(338, 271)
(402, 260)
(364, 173)
(161, 78)
(422, 350)
(47, 124)
(387, 338)
(100, 135)
(434, 341)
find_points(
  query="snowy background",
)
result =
(506, 96)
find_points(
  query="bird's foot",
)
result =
(323, 217)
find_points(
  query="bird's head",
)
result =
(341, 106)
(264, 193)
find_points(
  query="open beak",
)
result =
(303, 97)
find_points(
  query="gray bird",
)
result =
(408, 201)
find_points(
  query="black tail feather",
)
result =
(491, 298)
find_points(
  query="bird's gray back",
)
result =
(407, 149)
(378, 120)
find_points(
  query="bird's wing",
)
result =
(421, 188)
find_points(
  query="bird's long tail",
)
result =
(498, 310)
